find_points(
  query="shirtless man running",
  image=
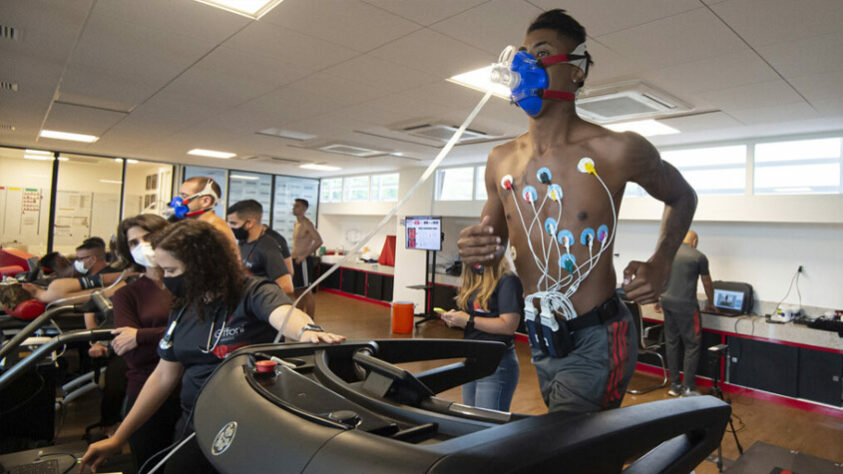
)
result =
(592, 371)
(306, 240)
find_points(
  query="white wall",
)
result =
(765, 255)
(337, 229)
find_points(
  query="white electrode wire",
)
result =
(429, 171)
(161, 462)
(529, 241)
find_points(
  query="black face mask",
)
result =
(240, 233)
(175, 285)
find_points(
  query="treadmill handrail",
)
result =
(77, 336)
(33, 326)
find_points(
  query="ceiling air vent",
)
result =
(351, 150)
(443, 133)
(6, 127)
(269, 159)
(9, 86)
(626, 101)
(9, 32)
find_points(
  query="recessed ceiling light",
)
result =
(74, 137)
(131, 161)
(478, 80)
(647, 128)
(314, 166)
(249, 8)
(38, 157)
(64, 158)
(38, 152)
(111, 181)
(291, 134)
(241, 176)
(211, 153)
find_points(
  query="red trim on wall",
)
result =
(355, 297)
(798, 403)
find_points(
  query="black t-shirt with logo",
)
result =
(508, 297)
(247, 324)
(263, 258)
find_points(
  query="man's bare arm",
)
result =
(643, 281)
(709, 292)
(484, 243)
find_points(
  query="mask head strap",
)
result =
(579, 57)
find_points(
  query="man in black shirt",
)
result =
(285, 249)
(259, 252)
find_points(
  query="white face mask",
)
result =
(80, 267)
(143, 254)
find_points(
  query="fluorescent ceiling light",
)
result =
(314, 166)
(74, 137)
(211, 153)
(478, 80)
(291, 134)
(132, 161)
(38, 157)
(240, 176)
(249, 8)
(38, 152)
(647, 128)
(111, 181)
(64, 158)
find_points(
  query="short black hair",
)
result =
(247, 208)
(560, 22)
(48, 262)
(303, 201)
(93, 243)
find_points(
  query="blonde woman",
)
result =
(490, 305)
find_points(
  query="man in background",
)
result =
(260, 253)
(682, 315)
(305, 241)
(200, 194)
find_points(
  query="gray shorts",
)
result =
(595, 374)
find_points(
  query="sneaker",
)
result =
(690, 392)
(675, 390)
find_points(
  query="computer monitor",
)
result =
(423, 232)
(728, 300)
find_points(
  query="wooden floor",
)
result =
(754, 420)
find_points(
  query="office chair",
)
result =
(648, 344)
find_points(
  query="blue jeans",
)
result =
(495, 391)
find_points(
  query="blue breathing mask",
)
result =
(527, 77)
(179, 207)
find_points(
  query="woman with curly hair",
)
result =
(490, 305)
(217, 309)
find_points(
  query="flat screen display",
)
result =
(423, 232)
(725, 299)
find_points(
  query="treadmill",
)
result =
(308, 408)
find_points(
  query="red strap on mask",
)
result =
(558, 58)
(559, 95)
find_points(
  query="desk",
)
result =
(365, 281)
(788, 359)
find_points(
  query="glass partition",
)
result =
(287, 190)
(87, 200)
(148, 188)
(257, 186)
(25, 187)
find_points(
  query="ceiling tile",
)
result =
(107, 89)
(763, 22)
(386, 75)
(427, 12)
(807, 56)
(76, 119)
(765, 94)
(609, 16)
(729, 69)
(777, 113)
(491, 26)
(820, 87)
(302, 52)
(701, 122)
(351, 23)
(47, 29)
(676, 40)
(434, 53)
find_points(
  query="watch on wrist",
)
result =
(310, 327)
(469, 325)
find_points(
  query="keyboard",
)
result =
(50, 466)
